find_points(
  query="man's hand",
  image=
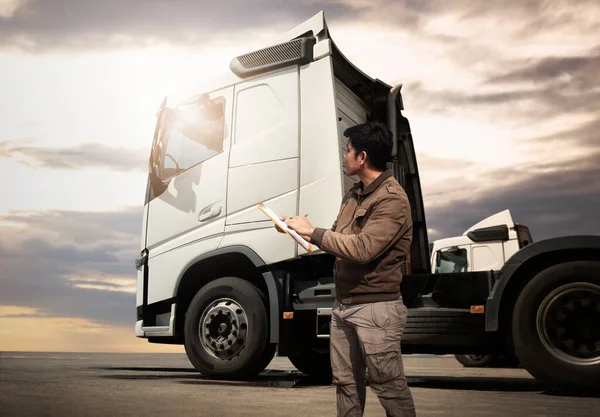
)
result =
(279, 229)
(301, 225)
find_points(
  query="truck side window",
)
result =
(452, 261)
(193, 134)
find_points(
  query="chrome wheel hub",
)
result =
(568, 323)
(223, 328)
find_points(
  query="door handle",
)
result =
(209, 213)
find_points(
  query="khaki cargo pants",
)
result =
(368, 336)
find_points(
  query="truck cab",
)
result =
(485, 246)
(269, 130)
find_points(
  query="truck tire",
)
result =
(314, 364)
(488, 361)
(234, 342)
(476, 361)
(556, 327)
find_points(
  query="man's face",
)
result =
(353, 162)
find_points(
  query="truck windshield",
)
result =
(190, 135)
(452, 261)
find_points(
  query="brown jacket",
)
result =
(370, 238)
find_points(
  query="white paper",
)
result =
(269, 213)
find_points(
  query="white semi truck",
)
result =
(463, 254)
(216, 277)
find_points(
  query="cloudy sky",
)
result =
(502, 97)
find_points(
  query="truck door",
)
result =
(264, 160)
(191, 157)
(488, 256)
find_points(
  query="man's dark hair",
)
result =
(375, 139)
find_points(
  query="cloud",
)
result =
(86, 155)
(565, 162)
(587, 134)
(19, 312)
(581, 69)
(562, 84)
(506, 62)
(552, 199)
(103, 283)
(542, 87)
(71, 264)
(40, 24)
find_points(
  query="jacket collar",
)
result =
(358, 187)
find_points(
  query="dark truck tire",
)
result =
(234, 341)
(316, 365)
(491, 361)
(556, 327)
(476, 361)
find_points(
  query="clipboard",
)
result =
(291, 233)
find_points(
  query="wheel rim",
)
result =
(475, 357)
(568, 323)
(223, 328)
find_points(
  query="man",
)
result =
(370, 238)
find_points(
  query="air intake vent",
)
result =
(296, 52)
(280, 53)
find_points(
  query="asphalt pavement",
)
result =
(95, 384)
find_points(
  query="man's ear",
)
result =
(363, 157)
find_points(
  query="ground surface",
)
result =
(80, 384)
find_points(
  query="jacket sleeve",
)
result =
(385, 224)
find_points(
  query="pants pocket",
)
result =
(389, 314)
(380, 315)
(384, 362)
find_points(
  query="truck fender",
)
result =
(511, 268)
(270, 281)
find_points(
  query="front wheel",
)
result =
(556, 326)
(226, 330)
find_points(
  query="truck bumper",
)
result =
(139, 332)
(165, 326)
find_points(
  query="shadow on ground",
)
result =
(295, 379)
(468, 383)
(267, 378)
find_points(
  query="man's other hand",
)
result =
(283, 219)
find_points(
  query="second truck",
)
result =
(465, 253)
